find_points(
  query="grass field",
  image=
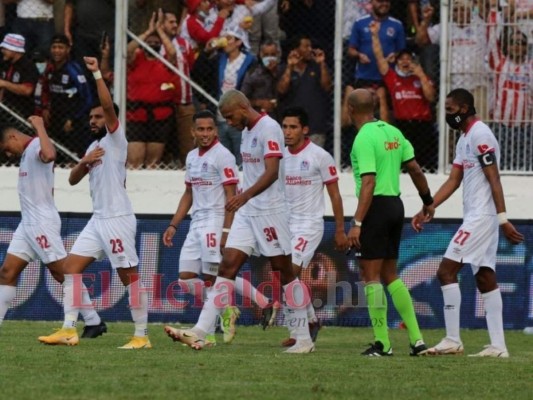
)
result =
(253, 367)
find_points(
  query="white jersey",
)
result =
(107, 178)
(306, 173)
(477, 194)
(207, 173)
(36, 186)
(264, 140)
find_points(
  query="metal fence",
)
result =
(482, 46)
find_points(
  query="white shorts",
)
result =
(201, 250)
(266, 235)
(305, 239)
(111, 237)
(42, 241)
(475, 243)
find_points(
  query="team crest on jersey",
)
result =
(304, 166)
(390, 32)
(16, 77)
(204, 167)
(254, 142)
(467, 148)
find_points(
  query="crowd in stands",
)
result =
(280, 54)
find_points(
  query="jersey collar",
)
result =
(469, 126)
(306, 143)
(202, 151)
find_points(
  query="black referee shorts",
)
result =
(382, 228)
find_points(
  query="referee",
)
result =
(378, 154)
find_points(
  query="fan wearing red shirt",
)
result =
(411, 93)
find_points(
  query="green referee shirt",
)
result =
(380, 149)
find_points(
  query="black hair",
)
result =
(295, 42)
(298, 112)
(96, 104)
(204, 114)
(4, 129)
(462, 97)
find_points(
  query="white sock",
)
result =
(195, 286)
(246, 289)
(138, 307)
(452, 310)
(7, 294)
(297, 323)
(89, 314)
(217, 299)
(213, 328)
(311, 316)
(493, 313)
(69, 307)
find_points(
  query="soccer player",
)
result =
(308, 168)
(260, 225)
(38, 234)
(111, 230)
(378, 154)
(210, 180)
(476, 162)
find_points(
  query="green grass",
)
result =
(253, 367)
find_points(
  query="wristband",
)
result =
(502, 218)
(225, 230)
(97, 75)
(427, 199)
(174, 226)
(355, 223)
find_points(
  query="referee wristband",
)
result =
(427, 199)
(225, 230)
(502, 218)
(173, 226)
(97, 75)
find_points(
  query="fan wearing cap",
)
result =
(220, 67)
(411, 93)
(66, 96)
(18, 76)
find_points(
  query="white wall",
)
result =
(158, 192)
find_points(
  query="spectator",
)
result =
(84, 23)
(411, 92)
(140, 11)
(468, 48)
(513, 98)
(222, 67)
(183, 141)
(391, 36)
(259, 83)
(265, 24)
(306, 82)
(35, 21)
(66, 97)
(150, 94)
(196, 28)
(18, 76)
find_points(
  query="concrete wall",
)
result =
(158, 192)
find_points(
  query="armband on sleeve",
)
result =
(487, 159)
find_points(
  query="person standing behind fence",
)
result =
(476, 241)
(185, 58)
(112, 228)
(151, 94)
(379, 153)
(306, 82)
(66, 97)
(35, 21)
(411, 93)
(38, 235)
(513, 97)
(18, 76)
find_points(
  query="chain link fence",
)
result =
(280, 53)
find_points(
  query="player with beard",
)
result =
(111, 230)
